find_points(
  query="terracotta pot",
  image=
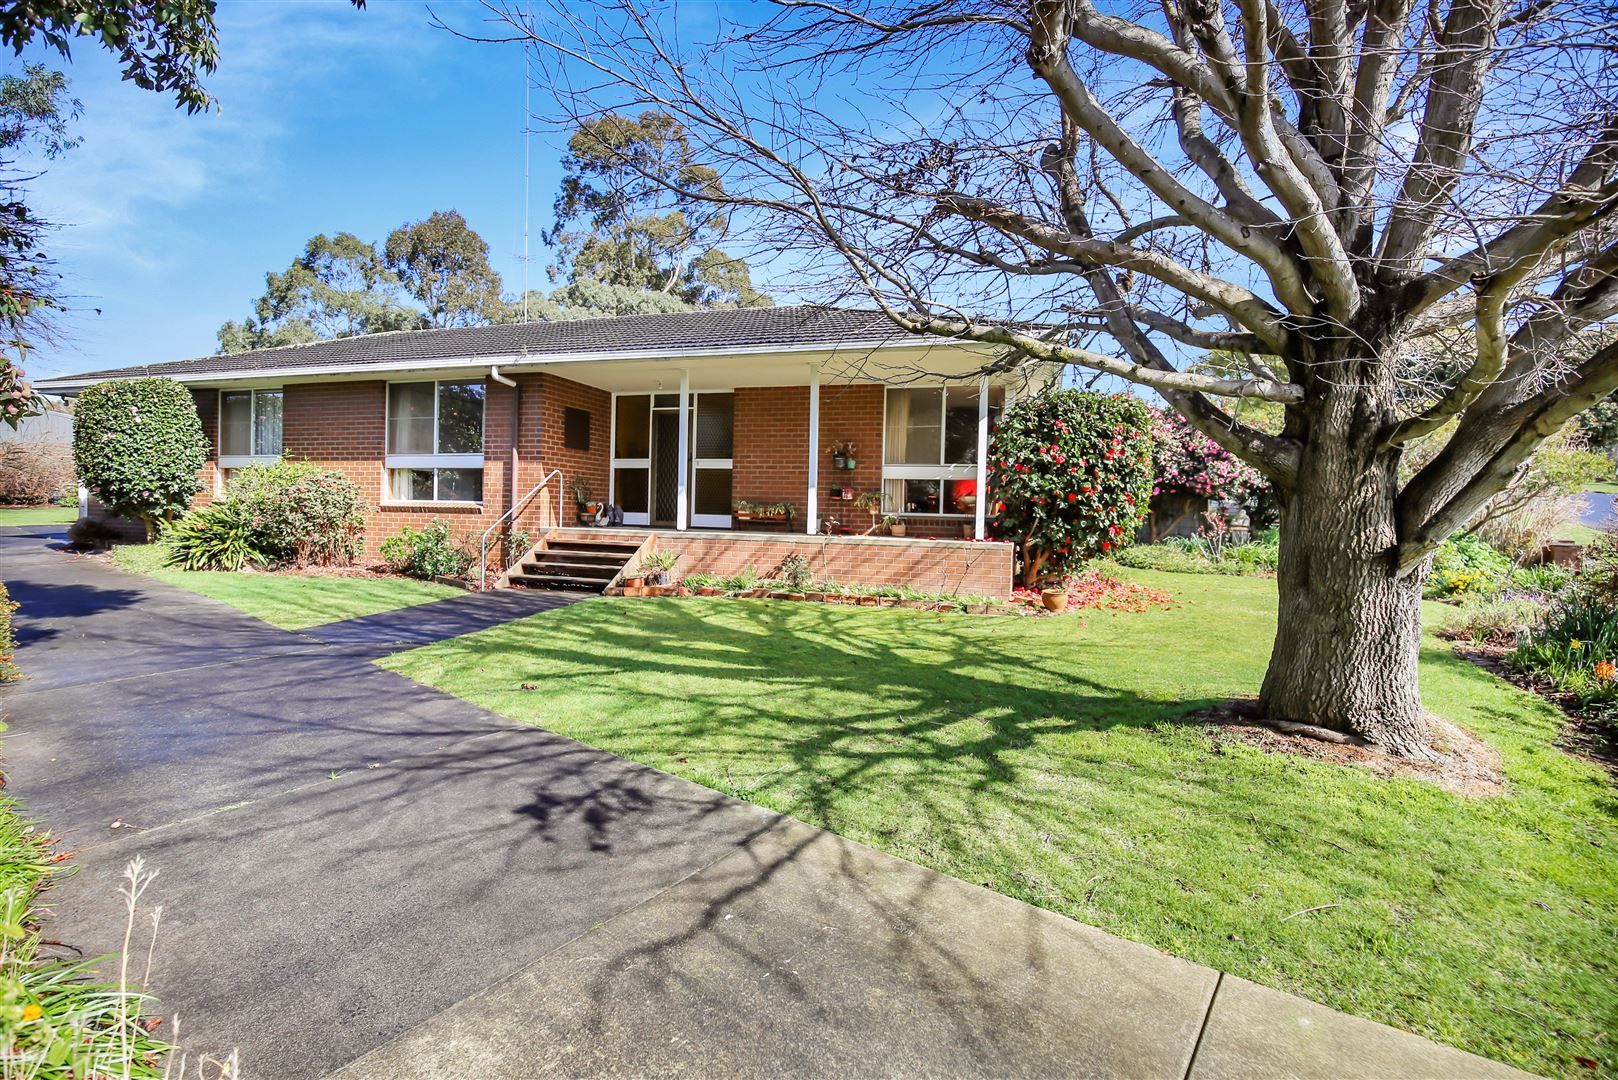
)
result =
(896, 530)
(634, 582)
(1053, 599)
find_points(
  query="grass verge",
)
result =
(290, 601)
(38, 515)
(1042, 757)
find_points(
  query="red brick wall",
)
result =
(982, 569)
(207, 402)
(340, 425)
(770, 455)
(772, 446)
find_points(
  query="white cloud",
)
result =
(142, 161)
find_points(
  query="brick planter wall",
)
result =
(952, 566)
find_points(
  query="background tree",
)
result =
(165, 47)
(1070, 476)
(1328, 182)
(138, 446)
(338, 287)
(34, 113)
(588, 299)
(444, 264)
(647, 207)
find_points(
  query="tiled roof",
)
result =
(685, 331)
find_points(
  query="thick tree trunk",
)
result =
(1348, 630)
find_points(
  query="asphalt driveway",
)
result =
(357, 871)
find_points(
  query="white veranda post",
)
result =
(682, 486)
(812, 506)
(980, 509)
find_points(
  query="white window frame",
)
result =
(433, 461)
(241, 461)
(942, 473)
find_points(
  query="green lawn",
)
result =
(290, 601)
(38, 515)
(1040, 757)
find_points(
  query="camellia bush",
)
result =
(1070, 476)
(138, 445)
(1187, 462)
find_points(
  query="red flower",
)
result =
(1106, 545)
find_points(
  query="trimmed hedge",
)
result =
(138, 445)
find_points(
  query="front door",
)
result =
(665, 467)
(646, 462)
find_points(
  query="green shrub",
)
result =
(426, 553)
(9, 671)
(303, 514)
(1465, 564)
(796, 573)
(1070, 477)
(219, 536)
(1598, 570)
(1192, 555)
(1548, 579)
(138, 445)
(1496, 618)
(1575, 647)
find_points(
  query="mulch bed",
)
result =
(1588, 734)
(1461, 762)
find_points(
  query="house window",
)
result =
(249, 429)
(435, 442)
(930, 448)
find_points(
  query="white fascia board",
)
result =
(514, 361)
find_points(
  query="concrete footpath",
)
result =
(474, 898)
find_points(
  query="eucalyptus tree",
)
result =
(1337, 191)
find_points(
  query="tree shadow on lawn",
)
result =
(1063, 776)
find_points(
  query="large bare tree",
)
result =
(1400, 212)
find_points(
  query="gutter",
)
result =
(525, 362)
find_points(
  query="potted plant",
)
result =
(656, 565)
(586, 507)
(1054, 597)
(894, 526)
(871, 503)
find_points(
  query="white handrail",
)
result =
(516, 507)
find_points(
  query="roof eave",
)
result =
(515, 361)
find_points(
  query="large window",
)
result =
(249, 428)
(930, 448)
(435, 442)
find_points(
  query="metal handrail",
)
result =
(510, 515)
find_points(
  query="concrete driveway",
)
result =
(469, 897)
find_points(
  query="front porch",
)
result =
(832, 446)
(736, 463)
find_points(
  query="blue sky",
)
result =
(330, 119)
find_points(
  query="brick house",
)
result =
(689, 422)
